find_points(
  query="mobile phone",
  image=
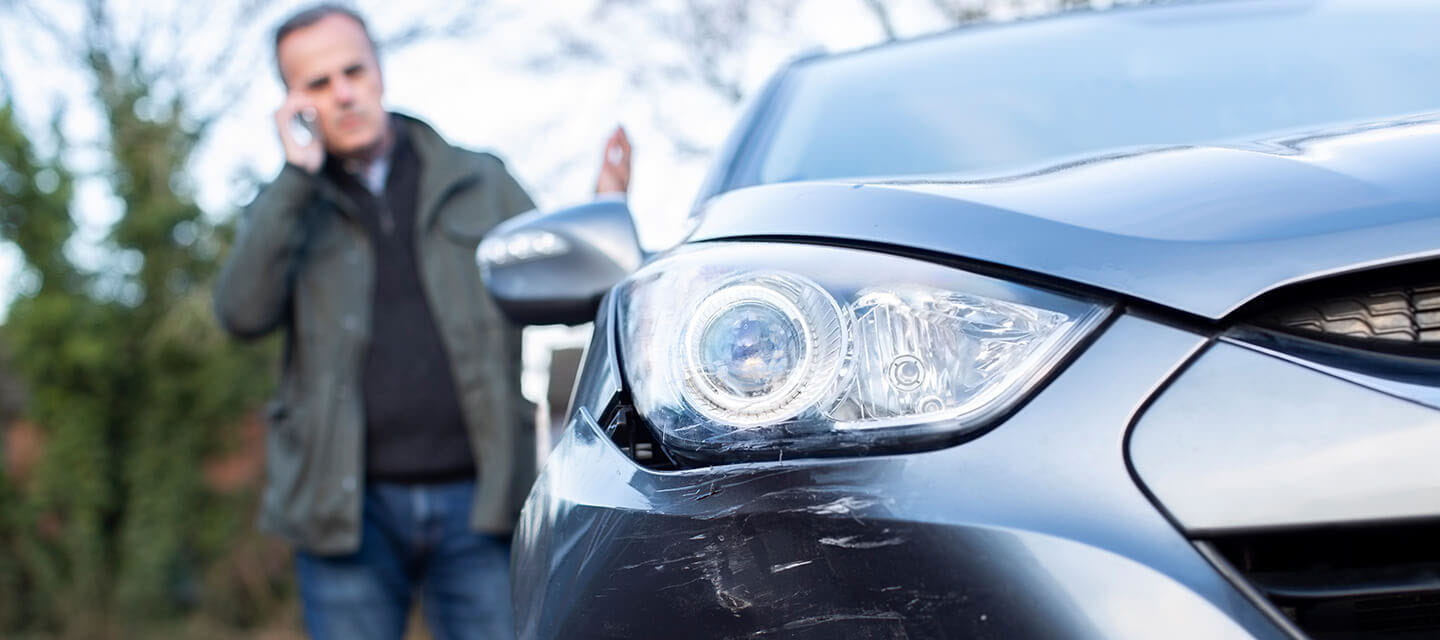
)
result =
(303, 127)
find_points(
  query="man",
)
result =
(400, 447)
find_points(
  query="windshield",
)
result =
(997, 99)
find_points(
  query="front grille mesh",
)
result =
(1379, 582)
(1395, 314)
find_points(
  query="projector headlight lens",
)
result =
(760, 349)
(742, 351)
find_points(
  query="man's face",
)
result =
(332, 63)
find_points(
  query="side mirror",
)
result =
(553, 267)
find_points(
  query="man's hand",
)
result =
(615, 165)
(308, 156)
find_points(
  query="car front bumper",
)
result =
(1088, 514)
(1036, 529)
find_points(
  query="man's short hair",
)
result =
(307, 17)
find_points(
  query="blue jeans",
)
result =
(415, 538)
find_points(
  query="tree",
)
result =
(34, 216)
(127, 390)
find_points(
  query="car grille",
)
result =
(1401, 314)
(1376, 583)
(1396, 307)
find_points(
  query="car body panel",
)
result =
(1200, 229)
(1220, 453)
(967, 541)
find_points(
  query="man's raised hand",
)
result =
(615, 165)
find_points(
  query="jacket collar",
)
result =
(445, 168)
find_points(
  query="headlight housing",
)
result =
(743, 351)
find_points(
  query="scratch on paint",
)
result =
(786, 567)
(814, 621)
(854, 542)
(840, 507)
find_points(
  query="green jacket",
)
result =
(303, 263)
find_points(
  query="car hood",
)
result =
(1199, 229)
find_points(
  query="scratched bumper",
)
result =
(792, 563)
(1035, 530)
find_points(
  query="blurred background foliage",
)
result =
(126, 388)
(131, 443)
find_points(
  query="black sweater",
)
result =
(414, 428)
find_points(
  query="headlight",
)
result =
(759, 349)
(742, 351)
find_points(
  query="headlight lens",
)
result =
(759, 349)
(739, 351)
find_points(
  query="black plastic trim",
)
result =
(1406, 368)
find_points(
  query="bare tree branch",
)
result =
(568, 48)
(248, 12)
(963, 11)
(882, 15)
(463, 22)
(712, 30)
(44, 22)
